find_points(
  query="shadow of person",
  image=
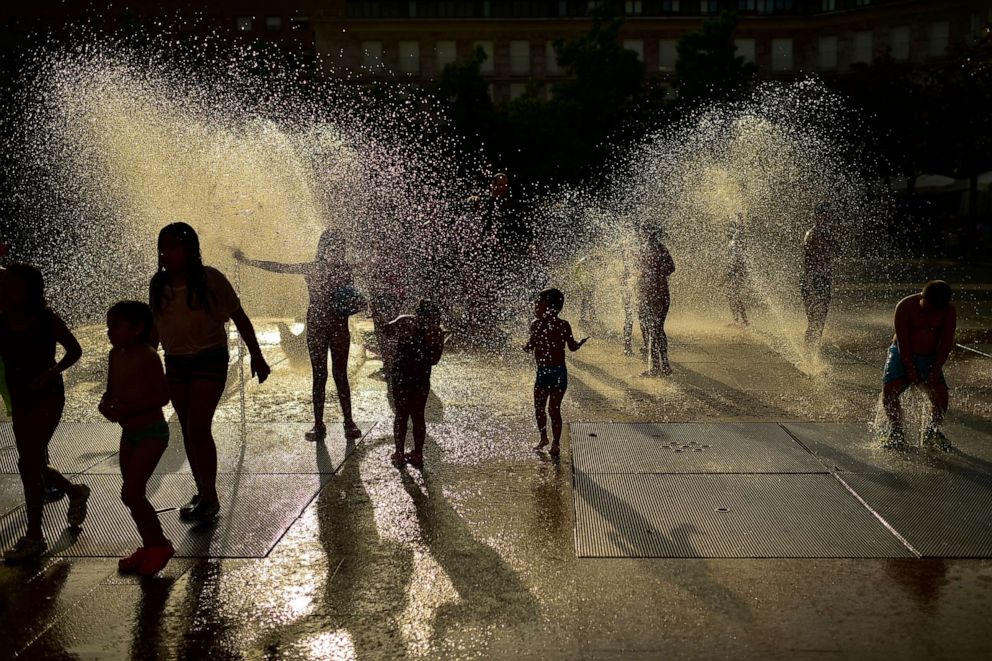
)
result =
(206, 630)
(491, 593)
(677, 543)
(147, 643)
(29, 604)
(366, 574)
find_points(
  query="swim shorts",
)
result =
(157, 430)
(209, 365)
(552, 378)
(895, 371)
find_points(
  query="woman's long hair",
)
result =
(197, 292)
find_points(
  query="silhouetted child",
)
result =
(821, 246)
(549, 336)
(417, 343)
(654, 300)
(29, 335)
(136, 392)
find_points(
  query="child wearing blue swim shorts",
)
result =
(136, 392)
(549, 336)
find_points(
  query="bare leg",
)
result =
(940, 400)
(340, 345)
(418, 415)
(137, 465)
(554, 409)
(33, 430)
(540, 402)
(204, 396)
(317, 346)
(890, 400)
(402, 405)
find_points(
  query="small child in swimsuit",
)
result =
(548, 337)
(417, 344)
(136, 392)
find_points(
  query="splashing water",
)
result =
(768, 161)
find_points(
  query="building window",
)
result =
(863, 3)
(937, 38)
(899, 43)
(636, 45)
(828, 5)
(782, 54)
(633, 7)
(764, 6)
(862, 47)
(243, 23)
(409, 56)
(488, 65)
(519, 57)
(827, 55)
(668, 54)
(372, 55)
(550, 59)
(273, 23)
(745, 49)
(446, 54)
(708, 6)
(411, 9)
(563, 7)
(517, 90)
(670, 6)
(299, 23)
(491, 91)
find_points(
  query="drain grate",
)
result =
(688, 448)
(725, 516)
(75, 447)
(256, 511)
(943, 515)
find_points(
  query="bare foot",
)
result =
(555, 449)
(651, 374)
(667, 370)
(540, 446)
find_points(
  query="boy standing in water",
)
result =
(549, 336)
(925, 325)
(136, 392)
(417, 345)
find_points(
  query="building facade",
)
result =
(413, 40)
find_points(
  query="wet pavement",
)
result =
(476, 556)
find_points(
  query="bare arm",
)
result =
(905, 344)
(274, 267)
(570, 339)
(258, 365)
(530, 339)
(73, 352)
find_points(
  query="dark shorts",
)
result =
(209, 365)
(157, 431)
(896, 371)
(552, 378)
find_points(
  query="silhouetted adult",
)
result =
(333, 299)
(191, 304)
(654, 300)
(820, 248)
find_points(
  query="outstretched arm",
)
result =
(274, 267)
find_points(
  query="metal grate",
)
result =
(943, 515)
(688, 448)
(75, 447)
(725, 516)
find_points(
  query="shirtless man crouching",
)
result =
(925, 325)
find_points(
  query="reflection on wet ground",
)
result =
(476, 557)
